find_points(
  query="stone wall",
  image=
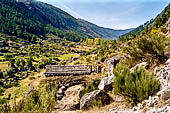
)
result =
(64, 70)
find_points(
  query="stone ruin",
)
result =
(64, 70)
(106, 82)
(112, 62)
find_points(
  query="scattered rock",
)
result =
(95, 98)
(163, 74)
(164, 94)
(63, 88)
(59, 97)
(60, 91)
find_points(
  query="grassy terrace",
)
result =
(67, 56)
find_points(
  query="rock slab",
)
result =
(94, 98)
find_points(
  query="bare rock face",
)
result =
(94, 98)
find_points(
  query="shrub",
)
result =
(39, 101)
(1, 90)
(137, 85)
(8, 73)
(90, 87)
(148, 48)
(8, 56)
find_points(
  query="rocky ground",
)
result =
(70, 101)
(159, 103)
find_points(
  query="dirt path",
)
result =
(70, 102)
(36, 82)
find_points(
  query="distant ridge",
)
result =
(106, 33)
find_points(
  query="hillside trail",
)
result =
(36, 82)
(70, 102)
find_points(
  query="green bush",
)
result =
(38, 101)
(8, 56)
(8, 73)
(1, 90)
(148, 48)
(137, 85)
(90, 87)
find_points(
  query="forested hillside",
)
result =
(33, 19)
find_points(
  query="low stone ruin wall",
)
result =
(64, 70)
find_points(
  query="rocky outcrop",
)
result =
(161, 101)
(106, 83)
(95, 98)
(163, 74)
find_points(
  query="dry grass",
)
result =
(68, 56)
(4, 66)
(23, 88)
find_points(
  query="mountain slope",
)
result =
(29, 19)
(106, 32)
(60, 19)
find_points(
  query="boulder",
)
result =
(60, 92)
(59, 97)
(63, 88)
(106, 83)
(94, 98)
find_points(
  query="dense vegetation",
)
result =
(41, 100)
(148, 48)
(137, 85)
(18, 20)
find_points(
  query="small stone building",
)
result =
(64, 70)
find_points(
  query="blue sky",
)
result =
(115, 14)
